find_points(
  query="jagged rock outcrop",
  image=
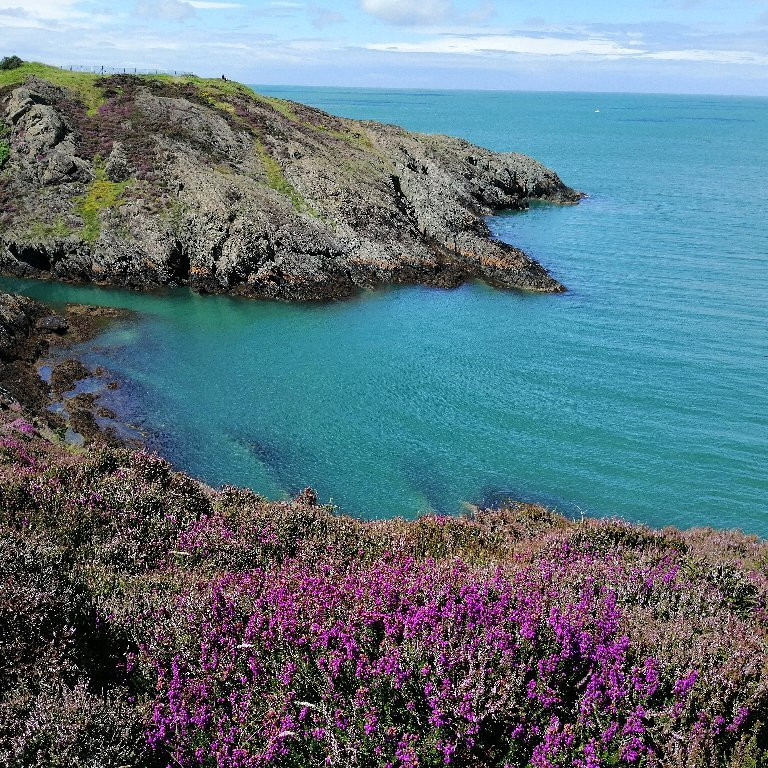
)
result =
(18, 316)
(208, 184)
(20, 345)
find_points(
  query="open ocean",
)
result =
(641, 393)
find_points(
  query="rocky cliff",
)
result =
(144, 182)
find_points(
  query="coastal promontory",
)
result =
(144, 182)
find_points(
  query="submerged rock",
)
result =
(207, 184)
(52, 324)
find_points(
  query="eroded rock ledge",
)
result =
(149, 182)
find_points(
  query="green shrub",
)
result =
(10, 62)
(102, 194)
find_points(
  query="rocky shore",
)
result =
(33, 336)
(143, 182)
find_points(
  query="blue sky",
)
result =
(679, 46)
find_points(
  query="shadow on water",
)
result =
(430, 485)
(278, 459)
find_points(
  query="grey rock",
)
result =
(44, 129)
(63, 165)
(233, 193)
(52, 324)
(117, 167)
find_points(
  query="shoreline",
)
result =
(90, 422)
(48, 383)
(139, 598)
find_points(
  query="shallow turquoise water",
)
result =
(640, 393)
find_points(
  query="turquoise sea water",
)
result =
(640, 393)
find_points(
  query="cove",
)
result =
(639, 393)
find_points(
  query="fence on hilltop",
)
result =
(96, 69)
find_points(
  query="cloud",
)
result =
(716, 57)
(173, 10)
(408, 12)
(477, 45)
(43, 9)
(16, 13)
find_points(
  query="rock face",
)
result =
(18, 316)
(207, 184)
(20, 346)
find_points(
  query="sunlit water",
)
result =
(640, 393)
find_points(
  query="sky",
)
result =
(651, 46)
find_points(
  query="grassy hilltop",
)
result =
(88, 86)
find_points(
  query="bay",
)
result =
(639, 393)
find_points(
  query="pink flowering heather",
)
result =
(148, 621)
(22, 426)
(403, 663)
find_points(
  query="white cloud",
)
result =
(538, 46)
(716, 57)
(571, 45)
(44, 9)
(15, 12)
(408, 12)
(48, 8)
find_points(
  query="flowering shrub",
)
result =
(147, 620)
(405, 663)
(22, 426)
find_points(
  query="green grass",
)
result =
(43, 231)
(102, 195)
(359, 140)
(84, 84)
(276, 178)
(283, 107)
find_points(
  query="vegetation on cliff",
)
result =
(226, 190)
(150, 621)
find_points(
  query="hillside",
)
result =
(154, 180)
(147, 620)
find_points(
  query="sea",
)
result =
(641, 393)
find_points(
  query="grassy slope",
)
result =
(85, 85)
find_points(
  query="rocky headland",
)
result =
(152, 181)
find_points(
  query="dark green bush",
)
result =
(10, 62)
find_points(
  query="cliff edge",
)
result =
(150, 181)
